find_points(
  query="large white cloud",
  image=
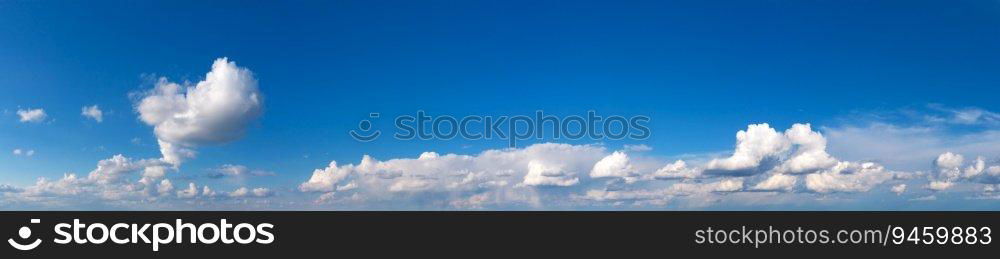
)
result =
(614, 165)
(217, 109)
(810, 151)
(798, 150)
(757, 142)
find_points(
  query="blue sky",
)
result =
(897, 83)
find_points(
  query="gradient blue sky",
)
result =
(701, 70)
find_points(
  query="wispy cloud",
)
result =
(32, 115)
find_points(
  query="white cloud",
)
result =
(676, 170)
(964, 116)
(111, 169)
(759, 141)
(509, 175)
(950, 171)
(8, 188)
(113, 180)
(540, 173)
(215, 110)
(262, 192)
(537, 165)
(164, 187)
(899, 189)
(885, 143)
(614, 165)
(207, 192)
(22, 152)
(973, 170)
(940, 185)
(69, 184)
(114, 168)
(848, 177)
(325, 180)
(244, 192)
(810, 154)
(240, 192)
(151, 173)
(661, 196)
(777, 182)
(31, 115)
(92, 112)
(347, 187)
(798, 152)
(948, 165)
(772, 162)
(188, 193)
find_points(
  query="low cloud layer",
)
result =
(764, 160)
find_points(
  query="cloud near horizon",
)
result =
(553, 175)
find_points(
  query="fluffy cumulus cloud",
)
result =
(953, 169)
(92, 112)
(215, 110)
(32, 115)
(753, 145)
(613, 165)
(799, 150)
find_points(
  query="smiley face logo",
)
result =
(366, 126)
(25, 233)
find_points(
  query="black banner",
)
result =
(478, 234)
